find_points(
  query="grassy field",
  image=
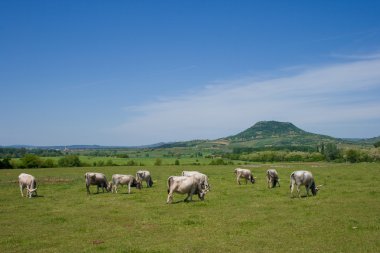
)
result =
(343, 217)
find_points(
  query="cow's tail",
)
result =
(292, 180)
(169, 183)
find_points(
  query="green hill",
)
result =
(278, 135)
(270, 135)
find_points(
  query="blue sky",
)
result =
(141, 72)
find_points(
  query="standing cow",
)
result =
(144, 175)
(244, 173)
(302, 177)
(184, 185)
(272, 178)
(118, 179)
(202, 178)
(29, 182)
(98, 179)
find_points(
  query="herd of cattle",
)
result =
(190, 182)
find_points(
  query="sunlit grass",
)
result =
(343, 217)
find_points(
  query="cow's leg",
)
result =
(129, 187)
(88, 189)
(238, 179)
(21, 189)
(291, 190)
(28, 193)
(299, 191)
(97, 188)
(189, 197)
(307, 190)
(170, 198)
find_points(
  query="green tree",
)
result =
(158, 162)
(31, 161)
(69, 161)
(331, 152)
(352, 155)
(377, 144)
(176, 162)
(49, 163)
(5, 164)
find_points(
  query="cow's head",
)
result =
(109, 187)
(32, 192)
(315, 189)
(136, 183)
(206, 187)
(201, 194)
(252, 179)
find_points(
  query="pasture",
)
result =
(343, 217)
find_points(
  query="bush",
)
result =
(158, 162)
(5, 164)
(219, 161)
(31, 161)
(48, 163)
(132, 163)
(69, 161)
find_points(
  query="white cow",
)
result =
(272, 178)
(118, 179)
(144, 175)
(29, 182)
(303, 177)
(98, 179)
(202, 178)
(184, 185)
(244, 173)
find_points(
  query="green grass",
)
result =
(343, 217)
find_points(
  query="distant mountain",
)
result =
(271, 129)
(270, 135)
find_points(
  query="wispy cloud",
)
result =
(371, 56)
(330, 95)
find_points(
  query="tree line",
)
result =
(324, 152)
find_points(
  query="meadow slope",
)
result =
(343, 217)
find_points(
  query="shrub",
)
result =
(31, 161)
(69, 161)
(158, 162)
(49, 163)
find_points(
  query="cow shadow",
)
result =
(186, 202)
(301, 197)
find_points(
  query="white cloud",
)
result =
(330, 95)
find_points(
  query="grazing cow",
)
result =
(118, 179)
(98, 179)
(272, 178)
(244, 173)
(202, 177)
(29, 182)
(302, 177)
(184, 185)
(144, 175)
